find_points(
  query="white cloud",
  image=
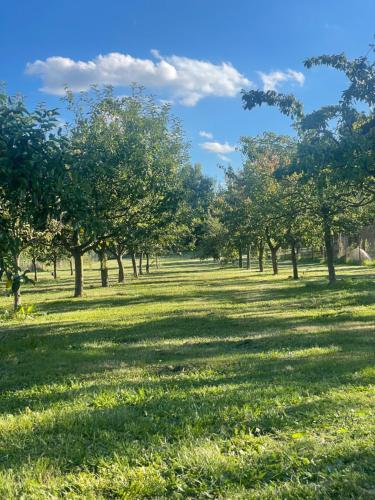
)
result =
(218, 147)
(206, 135)
(224, 158)
(272, 80)
(186, 80)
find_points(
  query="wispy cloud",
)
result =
(224, 158)
(184, 79)
(206, 135)
(218, 147)
(273, 80)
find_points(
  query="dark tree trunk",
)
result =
(103, 267)
(240, 257)
(328, 241)
(16, 300)
(248, 263)
(275, 267)
(273, 248)
(17, 294)
(71, 266)
(35, 269)
(260, 256)
(147, 263)
(78, 273)
(141, 263)
(2, 268)
(54, 268)
(156, 261)
(294, 262)
(134, 264)
(121, 274)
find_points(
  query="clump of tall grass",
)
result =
(368, 262)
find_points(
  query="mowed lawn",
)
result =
(193, 382)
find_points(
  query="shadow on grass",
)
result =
(201, 387)
(232, 290)
(39, 354)
(203, 375)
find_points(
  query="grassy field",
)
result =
(196, 381)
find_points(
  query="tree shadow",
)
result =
(203, 375)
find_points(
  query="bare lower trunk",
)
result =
(121, 274)
(294, 262)
(78, 273)
(260, 256)
(17, 294)
(2, 268)
(16, 300)
(156, 261)
(103, 268)
(275, 267)
(141, 263)
(71, 266)
(328, 241)
(147, 263)
(240, 257)
(35, 269)
(134, 264)
(54, 268)
(248, 263)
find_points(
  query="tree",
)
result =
(212, 244)
(30, 157)
(335, 152)
(264, 155)
(121, 176)
(196, 198)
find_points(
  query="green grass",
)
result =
(197, 381)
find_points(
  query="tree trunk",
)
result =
(17, 294)
(329, 250)
(2, 268)
(294, 262)
(141, 263)
(248, 263)
(134, 263)
(240, 257)
(156, 261)
(54, 268)
(103, 267)
(17, 300)
(78, 273)
(35, 269)
(71, 266)
(121, 274)
(275, 267)
(260, 256)
(147, 263)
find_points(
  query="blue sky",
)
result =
(203, 53)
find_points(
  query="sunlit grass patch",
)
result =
(195, 381)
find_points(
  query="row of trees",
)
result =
(302, 191)
(113, 180)
(116, 180)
